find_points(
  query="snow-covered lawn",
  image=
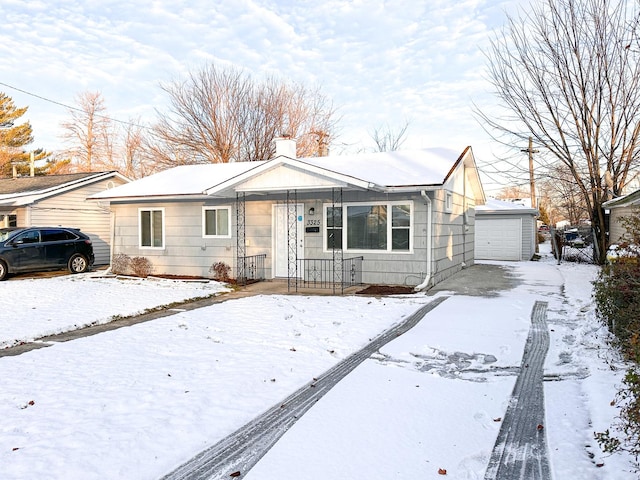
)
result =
(138, 401)
(32, 308)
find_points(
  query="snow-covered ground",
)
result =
(32, 308)
(138, 401)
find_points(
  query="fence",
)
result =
(253, 268)
(574, 244)
(320, 273)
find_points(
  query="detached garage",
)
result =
(505, 231)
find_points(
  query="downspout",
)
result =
(465, 222)
(112, 234)
(427, 278)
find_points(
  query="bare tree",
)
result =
(563, 196)
(133, 146)
(388, 140)
(567, 73)
(513, 192)
(223, 115)
(89, 133)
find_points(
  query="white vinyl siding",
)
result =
(616, 229)
(72, 209)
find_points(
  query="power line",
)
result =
(106, 117)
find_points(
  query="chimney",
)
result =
(285, 147)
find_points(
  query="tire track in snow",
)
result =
(240, 451)
(520, 452)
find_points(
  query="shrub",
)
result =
(617, 297)
(617, 288)
(141, 267)
(221, 271)
(120, 264)
(628, 422)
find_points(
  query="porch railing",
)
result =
(253, 268)
(320, 273)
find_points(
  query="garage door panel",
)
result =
(498, 239)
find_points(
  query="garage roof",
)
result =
(495, 206)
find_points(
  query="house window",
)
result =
(334, 227)
(152, 228)
(216, 222)
(448, 202)
(400, 227)
(8, 220)
(374, 227)
(366, 227)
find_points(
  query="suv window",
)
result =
(55, 235)
(32, 236)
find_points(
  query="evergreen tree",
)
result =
(12, 137)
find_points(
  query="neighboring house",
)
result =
(60, 200)
(409, 216)
(505, 231)
(621, 207)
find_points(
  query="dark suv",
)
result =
(44, 248)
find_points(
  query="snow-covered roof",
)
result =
(632, 199)
(495, 206)
(182, 180)
(415, 168)
(25, 190)
(400, 168)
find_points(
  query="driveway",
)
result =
(140, 401)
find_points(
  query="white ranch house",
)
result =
(394, 218)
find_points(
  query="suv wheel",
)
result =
(3, 270)
(78, 264)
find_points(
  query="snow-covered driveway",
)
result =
(139, 401)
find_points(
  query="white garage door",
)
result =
(498, 238)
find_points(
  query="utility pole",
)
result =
(532, 181)
(532, 184)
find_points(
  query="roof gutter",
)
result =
(150, 198)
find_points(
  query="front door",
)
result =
(281, 239)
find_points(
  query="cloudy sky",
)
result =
(381, 62)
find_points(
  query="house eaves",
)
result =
(513, 211)
(630, 200)
(410, 188)
(152, 198)
(19, 199)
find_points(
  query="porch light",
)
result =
(312, 211)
